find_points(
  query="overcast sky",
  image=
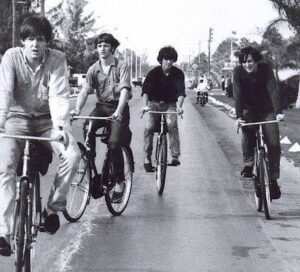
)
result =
(149, 25)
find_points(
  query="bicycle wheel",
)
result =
(79, 193)
(20, 227)
(117, 208)
(256, 177)
(202, 101)
(264, 183)
(161, 160)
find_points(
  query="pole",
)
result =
(131, 65)
(13, 23)
(140, 67)
(136, 66)
(42, 7)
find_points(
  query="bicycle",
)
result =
(261, 175)
(161, 151)
(88, 179)
(28, 220)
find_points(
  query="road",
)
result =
(205, 220)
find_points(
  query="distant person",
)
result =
(202, 87)
(228, 86)
(163, 90)
(257, 99)
(223, 83)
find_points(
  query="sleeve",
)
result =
(88, 84)
(7, 84)
(124, 78)
(59, 92)
(273, 90)
(237, 94)
(146, 85)
(181, 85)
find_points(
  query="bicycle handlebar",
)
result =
(162, 112)
(26, 137)
(110, 118)
(259, 123)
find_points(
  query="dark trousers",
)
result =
(119, 134)
(271, 137)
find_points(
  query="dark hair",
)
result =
(36, 26)
(107, 38)
(249, 50)
(167, 53)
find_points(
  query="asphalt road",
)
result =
(205, 220)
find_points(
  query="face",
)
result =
(35, 47)
(104, 50)
(167, 64)
(250, 65)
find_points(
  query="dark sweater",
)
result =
(257, 92)
(160, 87)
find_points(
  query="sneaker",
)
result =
(175, 161)
(97, 190)
(5, 248)
(274, 189)
(118, 192)
(51, 222)
(247, 172)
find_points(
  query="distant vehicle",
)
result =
(137, 82)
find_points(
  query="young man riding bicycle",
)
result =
(110, 78)
(163, 90)
(257, 99)
(34, 91)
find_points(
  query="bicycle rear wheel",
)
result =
(20, 227)
(117, 208)
(264, 183)
(161, 160)
(79, 194)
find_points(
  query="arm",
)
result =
(124, 94)
(273, 91)
(237, 88)
(7, 79)
(180, 93)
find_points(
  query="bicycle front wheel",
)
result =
(264, 183)
(79, 193)
(20, 227)
(161, 169)
(117, 207)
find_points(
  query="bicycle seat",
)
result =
(40, 158)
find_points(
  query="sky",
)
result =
(146, 26)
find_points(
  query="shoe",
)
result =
(119, 191)
(97, 190)
(247, 172)
(51, 222)
(175, 161)
(149, 167)
(5, 248)
(274, 189)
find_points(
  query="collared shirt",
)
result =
(108, 86)
(29, 93)
(257, 91)
(160, 87)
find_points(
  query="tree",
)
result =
(73, 29)
(289, 11)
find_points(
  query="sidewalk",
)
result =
(291, 129)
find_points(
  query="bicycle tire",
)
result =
(117, 208)
(79, 194)
(202, 101)
(162, 161)
(264, 183)
(258, 200)
(20, 227)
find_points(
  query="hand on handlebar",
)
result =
(73, 113)
(280, 117)
(145, 109)
(179, 110)
(239, 122)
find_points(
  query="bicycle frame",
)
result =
(30, 175)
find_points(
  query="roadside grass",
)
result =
(291, 128)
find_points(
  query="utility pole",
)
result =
(42, 7)
(209, 42)
(131, 56)
(136, 66)
(14, 23)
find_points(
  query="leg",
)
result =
(173, 131)
(248, 144)
(271, 132)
